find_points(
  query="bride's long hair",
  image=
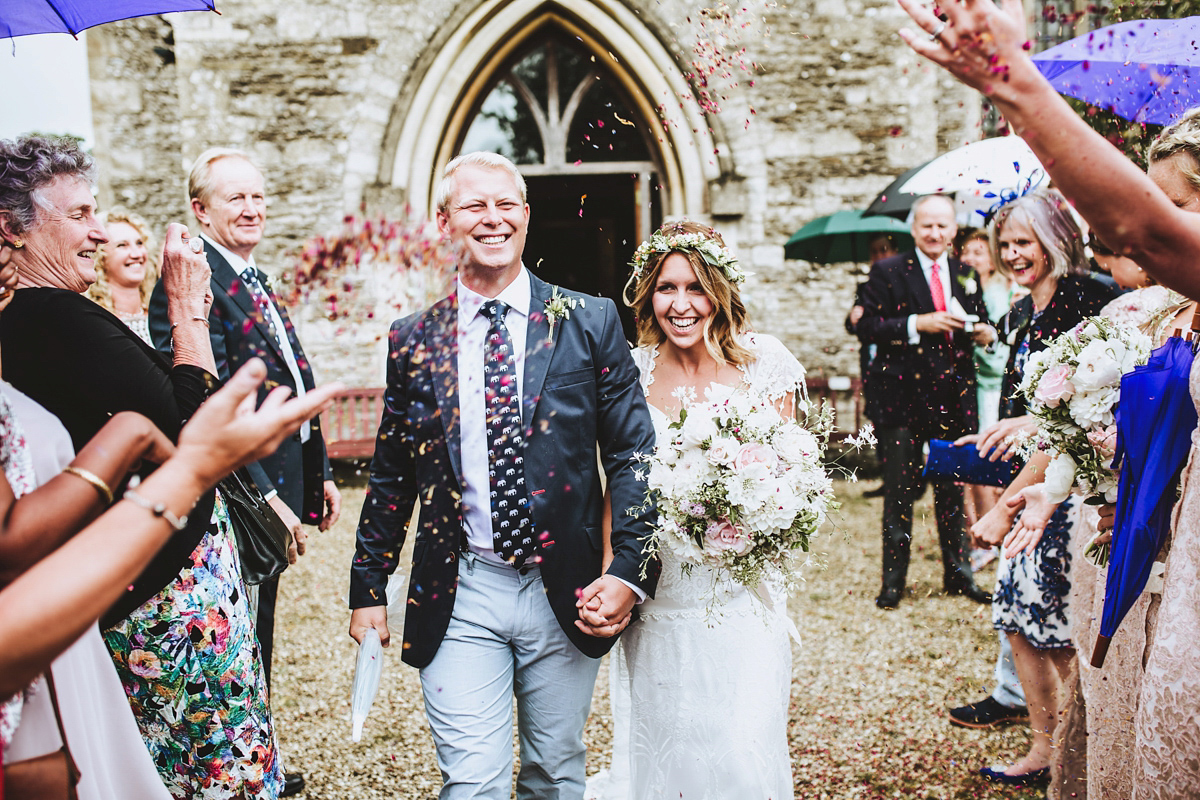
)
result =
(728, 319)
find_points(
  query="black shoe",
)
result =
(971, 592)
(877, 492)
(293, 784)
(888, 599)
(1039, 778)
(988, 713)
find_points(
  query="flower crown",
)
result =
(713, 253)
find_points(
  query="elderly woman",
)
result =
(1035, 240)
(182, 637)
(126, 270)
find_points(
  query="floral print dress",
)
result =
(189, 661)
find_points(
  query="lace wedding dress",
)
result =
(700, 683)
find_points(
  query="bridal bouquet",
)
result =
(738, 486)
(1073, 387)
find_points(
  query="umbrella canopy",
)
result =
(985, 168)
(844, 236)
(891, 200)
(1155, 420)
(1145, 70)
(26, 17)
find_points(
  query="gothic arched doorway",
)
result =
(594, 185)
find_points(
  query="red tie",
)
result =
(936, 289)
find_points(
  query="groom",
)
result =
(495, 408)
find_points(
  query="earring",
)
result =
(17, 244)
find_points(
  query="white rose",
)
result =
(698, 428)
(1099, 367)
(722, 450)
(795, 444)
(1060, 478)
(691, 472)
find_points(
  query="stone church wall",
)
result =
(839, 107)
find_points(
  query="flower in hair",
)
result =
(713, 253)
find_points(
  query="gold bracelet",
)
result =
(159, 510)
(100, 486)
(175, 325)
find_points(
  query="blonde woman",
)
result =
(700, 704)
(126, 270)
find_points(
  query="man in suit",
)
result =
(498, 398)
(914, 312)
(228, 198)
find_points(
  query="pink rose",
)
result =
(724, 535)
(1055, 386)
(1105, 442)
(753, 453)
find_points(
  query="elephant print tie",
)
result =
(512, 526)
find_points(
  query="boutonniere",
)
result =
(559, 307)
(968, 282)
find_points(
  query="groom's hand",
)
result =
(362, 619)
(604, 607)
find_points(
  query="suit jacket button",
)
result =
(296, 436)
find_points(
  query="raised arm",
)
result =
(985, 47)
(49, 606)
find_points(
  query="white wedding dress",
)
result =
(700, 683)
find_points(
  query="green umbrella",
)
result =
(844, 236)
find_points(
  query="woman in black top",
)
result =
(182, 637)
(1035, 239)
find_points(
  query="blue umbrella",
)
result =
(26, 17)
(1144, 70)
(1155, 420)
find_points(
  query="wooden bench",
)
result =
(351, 423)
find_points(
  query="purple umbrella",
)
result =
(26, 17)
(1142, 70)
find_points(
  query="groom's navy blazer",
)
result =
(580, 393)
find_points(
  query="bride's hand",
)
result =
(604, 607)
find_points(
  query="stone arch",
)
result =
(434, 104)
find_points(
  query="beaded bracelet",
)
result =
(95, 480)
(157, 509)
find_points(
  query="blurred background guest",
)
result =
(126, 269)
(182, 637)
(880, 246)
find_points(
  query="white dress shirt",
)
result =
(943, 268)
(240, 265)
(472, 345)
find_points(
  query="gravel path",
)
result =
(869, 692)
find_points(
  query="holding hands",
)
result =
(605, 607)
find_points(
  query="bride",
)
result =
(702, 677)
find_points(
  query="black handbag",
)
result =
(262, 538)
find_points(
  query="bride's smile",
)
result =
(681, 306)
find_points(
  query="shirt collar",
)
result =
(518, 296)
(238, 263)
(926, 262)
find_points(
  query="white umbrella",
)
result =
(979, 169)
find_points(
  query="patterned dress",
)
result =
(188, 659)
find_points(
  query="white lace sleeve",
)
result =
(643, 358)
(775, 372)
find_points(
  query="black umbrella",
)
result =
(891, 201)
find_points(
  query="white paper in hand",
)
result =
(367, 672)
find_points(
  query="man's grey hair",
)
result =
(445, 187)
(29, 164)
(200, 184)
(922, 200)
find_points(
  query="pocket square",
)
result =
(963, 463)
